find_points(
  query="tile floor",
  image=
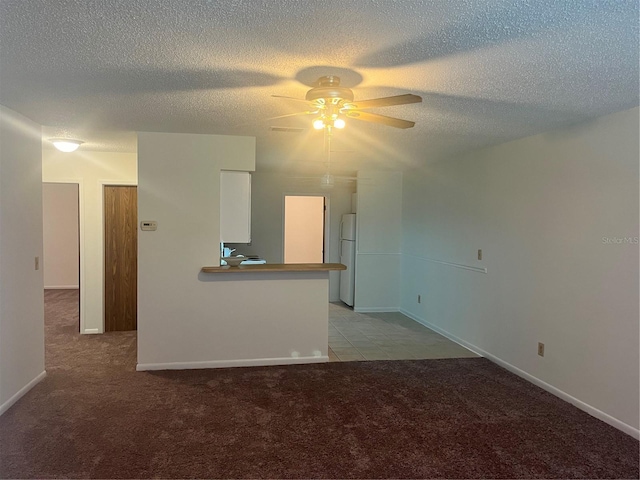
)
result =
(384, 336)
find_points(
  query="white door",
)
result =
(303, 229)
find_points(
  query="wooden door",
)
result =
(120, 258)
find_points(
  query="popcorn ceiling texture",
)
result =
(488, 71)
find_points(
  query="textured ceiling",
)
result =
(488, 70)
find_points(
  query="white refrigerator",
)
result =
(348, 258)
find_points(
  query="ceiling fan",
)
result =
(333, 103)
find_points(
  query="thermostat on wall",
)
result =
(148, 225)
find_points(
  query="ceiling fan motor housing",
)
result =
(330, 91)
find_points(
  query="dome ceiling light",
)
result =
(66, 144)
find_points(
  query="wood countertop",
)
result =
(276, 267)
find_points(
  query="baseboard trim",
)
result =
(7, 405)
(252, 362)
(62, 287)
(375, 309)
(593, 411)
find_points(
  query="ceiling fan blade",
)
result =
(255, 122)
(375, 118)
(292, 115)
(292, 98)
(384, 102)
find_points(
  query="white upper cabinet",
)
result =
(235, 207)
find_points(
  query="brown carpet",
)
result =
(94, 416)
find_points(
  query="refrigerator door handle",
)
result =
(341, 224)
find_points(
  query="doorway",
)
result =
(120, 257)
(61, 248)
(304, 228)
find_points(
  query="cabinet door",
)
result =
(235, 207)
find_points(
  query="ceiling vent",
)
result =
(287, 129)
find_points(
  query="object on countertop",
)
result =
(233, 261)
(226, 251)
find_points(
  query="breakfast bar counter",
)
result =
(276, 267)
(249, 315)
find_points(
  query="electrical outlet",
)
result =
(541, 349)
(479, 254)
(419, 299)
(37, 263)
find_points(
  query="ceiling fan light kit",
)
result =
(328, 120)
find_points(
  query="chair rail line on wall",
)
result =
(450, 264)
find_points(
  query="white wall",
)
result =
(541, 209)
(378, 241)
(21, 285)
(179, 187)
(267, 215)
(91, 171)
(60, 235)
(237, 319)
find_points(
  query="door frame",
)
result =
(102, 184)
(327, 224)
(81, 260)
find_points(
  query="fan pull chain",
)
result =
(327, 144)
